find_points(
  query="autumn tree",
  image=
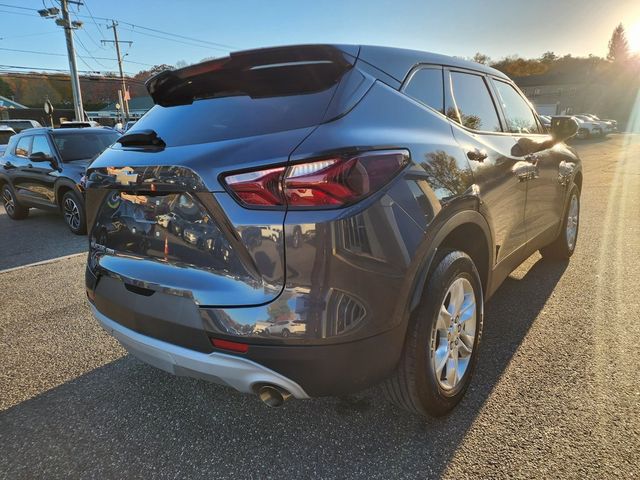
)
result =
(618, 45)
(5, 89)
(548, 57)
(481, 58)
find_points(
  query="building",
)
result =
(138, 106)
(564, 93)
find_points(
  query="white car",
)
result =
(587, 128)
(284, 328)
(5, 133)
(609, 126)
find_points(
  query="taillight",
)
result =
(326, 182)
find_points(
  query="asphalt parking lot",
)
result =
(556, 393)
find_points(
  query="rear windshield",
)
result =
(244, 95)
(83, 146)
(225, 118)
(4, 137)
(18, 126)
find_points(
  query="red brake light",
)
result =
(231, 346)
(327, 182)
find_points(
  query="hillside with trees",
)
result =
(619, 71)
(33, 88)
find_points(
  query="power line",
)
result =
(136, 27)
(18, 7)
(64, 55)
(214, 44)
(28, 35)
(17, 13)
(94, 21)
(167, 39)
(88, 53)
(86, 32)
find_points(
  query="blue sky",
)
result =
(497, 28)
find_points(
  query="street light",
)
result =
(49, 12)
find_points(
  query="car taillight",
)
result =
(327, 182)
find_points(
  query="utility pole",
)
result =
(117, 43)
(69, 26)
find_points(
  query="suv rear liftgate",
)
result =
(167, 241)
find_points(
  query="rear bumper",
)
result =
(237, 372)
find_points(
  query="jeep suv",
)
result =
(373, 197)
(42, 168)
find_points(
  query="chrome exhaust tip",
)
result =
(273, 396)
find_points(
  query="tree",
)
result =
(481, 58)
(145, 74)
(548, 57)
(618, 45)
(5, 89)
(444, 175)
(279, 311)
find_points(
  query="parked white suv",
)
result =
(608, 126)
(285, 328)
(587, 127)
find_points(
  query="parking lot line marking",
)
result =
(43, 262)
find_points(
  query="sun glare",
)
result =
(633, 37)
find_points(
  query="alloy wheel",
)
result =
(8, 201)
(572, 222)
(71, 213)
(453, 335)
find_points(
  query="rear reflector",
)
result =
(231, 346)
(326, 182)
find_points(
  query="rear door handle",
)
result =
(477, 155)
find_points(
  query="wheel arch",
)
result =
(62, 187)
(577, 179)
(467, 231)
(3, 180)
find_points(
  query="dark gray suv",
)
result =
(312, 220)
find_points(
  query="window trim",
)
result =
(413, 72)
(492, 96)
(536, 117)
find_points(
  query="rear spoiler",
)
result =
(257, 73)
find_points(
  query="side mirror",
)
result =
(43, 157)
(40, 157)
(563, 128)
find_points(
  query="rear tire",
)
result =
(73, 211)
(439, 340)
(565, 244)
(14, 210)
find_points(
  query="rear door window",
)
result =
(426, 86)
(472, 104)
(518, 114)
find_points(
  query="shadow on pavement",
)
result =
(126, 419)
(41, 236)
